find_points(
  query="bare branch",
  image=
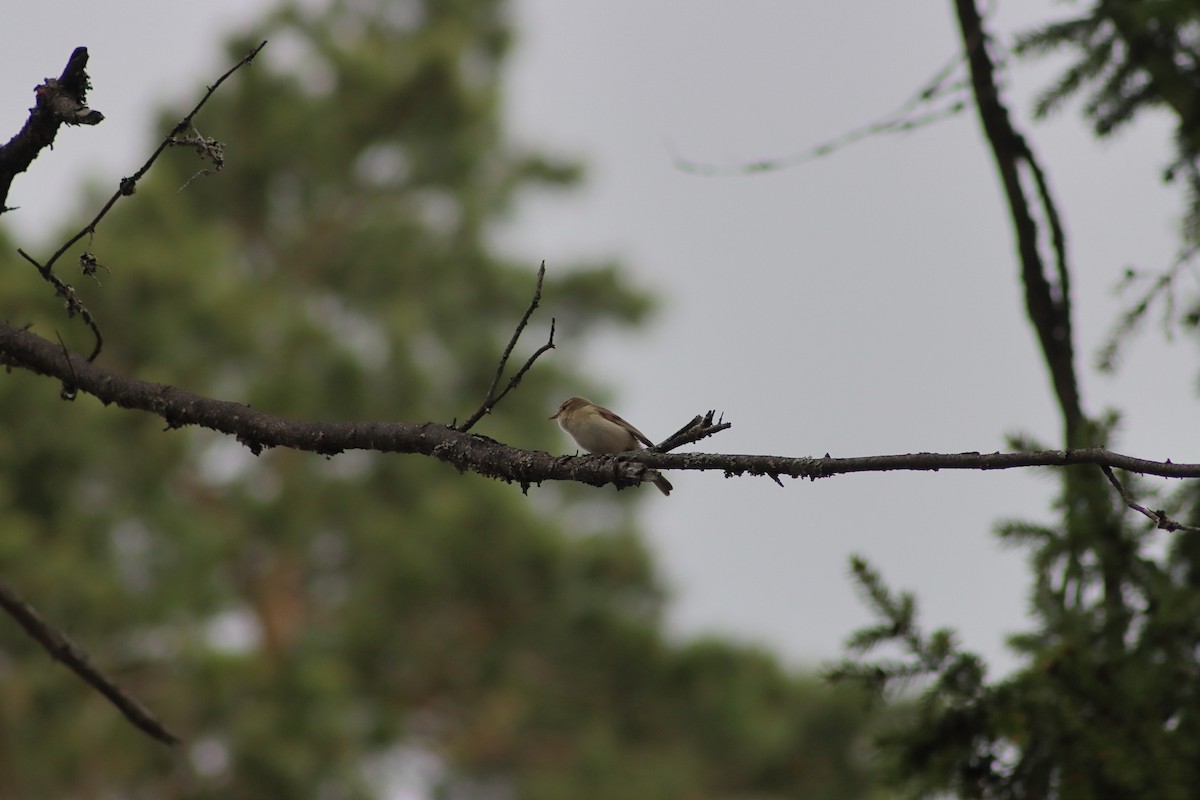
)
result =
(1159, 517)
(828, 466)
(74, 305)
(492, 398)
(62, 649)
(480, 454)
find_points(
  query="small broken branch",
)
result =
(60, 101)
(698, 428)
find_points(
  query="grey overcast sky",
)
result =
(862, 303)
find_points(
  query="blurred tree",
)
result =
(346, 627)
(1132, 56)
(1107, 704)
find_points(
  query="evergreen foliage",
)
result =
(1107, 703)
(1132, 56)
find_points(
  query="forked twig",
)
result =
(696, 429)
(1159, 517)
(61, 648)
(492, 398)
(129, 185)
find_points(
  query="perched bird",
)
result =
(598, 430)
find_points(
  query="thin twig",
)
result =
(901, 120)
(61, 648)
(22, 349)
(1159, 517)
(492, 398)
(74, 304)
(69, 391)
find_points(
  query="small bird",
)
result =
(598, 430)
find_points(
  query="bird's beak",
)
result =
(555, 415)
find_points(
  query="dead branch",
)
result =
(59, 101)
(72, 302)
(471, 452)
(1159, 517)
(62, 649)
(696, 429)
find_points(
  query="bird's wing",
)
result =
(611, 417)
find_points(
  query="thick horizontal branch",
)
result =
(257, 430)
(813, 468)
(472, 452)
